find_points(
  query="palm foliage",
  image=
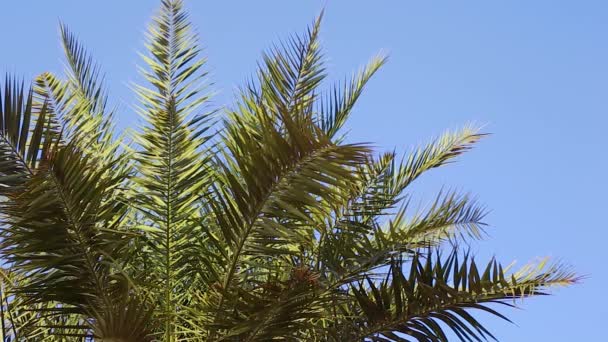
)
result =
(260, 224)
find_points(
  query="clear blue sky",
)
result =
(534, 72)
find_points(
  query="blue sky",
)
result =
(534, 73)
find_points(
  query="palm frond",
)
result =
(437, 294)
(383, 180)
(85, 109)
(52, 91)
(17, 319)
(290, 73)
(79, 104)
(280, 171)
(63, 208)
(275, 188)
(439, 152)
(336, 106)
(450, 216)
(353, 240)
(173, 172)
(27, 133)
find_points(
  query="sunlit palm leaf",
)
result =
(173, 173)
(336, 106)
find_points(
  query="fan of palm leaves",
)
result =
(254, 223)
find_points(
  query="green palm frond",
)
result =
(27, 134)
(439, 152)
(63, 208)
(336, 106)
(16, 318)
(23, 322)
(280, 307)
(382, 180)
(51, 91)
(173, 173)
(450, 216)
(353, 240)
(85, 109)
(80, 101)
(290, 73)
(280, 171)
(437, 295)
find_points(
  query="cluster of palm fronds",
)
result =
(263, 225)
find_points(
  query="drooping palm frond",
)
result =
(437, 295)
(63, 233)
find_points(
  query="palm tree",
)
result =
(264, 224)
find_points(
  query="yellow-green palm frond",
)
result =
(450, 216)
(85, 109)
(80, 101)
(291, 72)
(280, 172)
(439, 152)
(17, 319)
(335, 106)
(23, 321)
(354, 241)
(173, 173)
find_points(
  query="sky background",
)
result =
(534, 73)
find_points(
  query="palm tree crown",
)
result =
(259, 224)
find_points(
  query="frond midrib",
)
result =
(80, 240)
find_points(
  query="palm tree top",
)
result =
(254, 222)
